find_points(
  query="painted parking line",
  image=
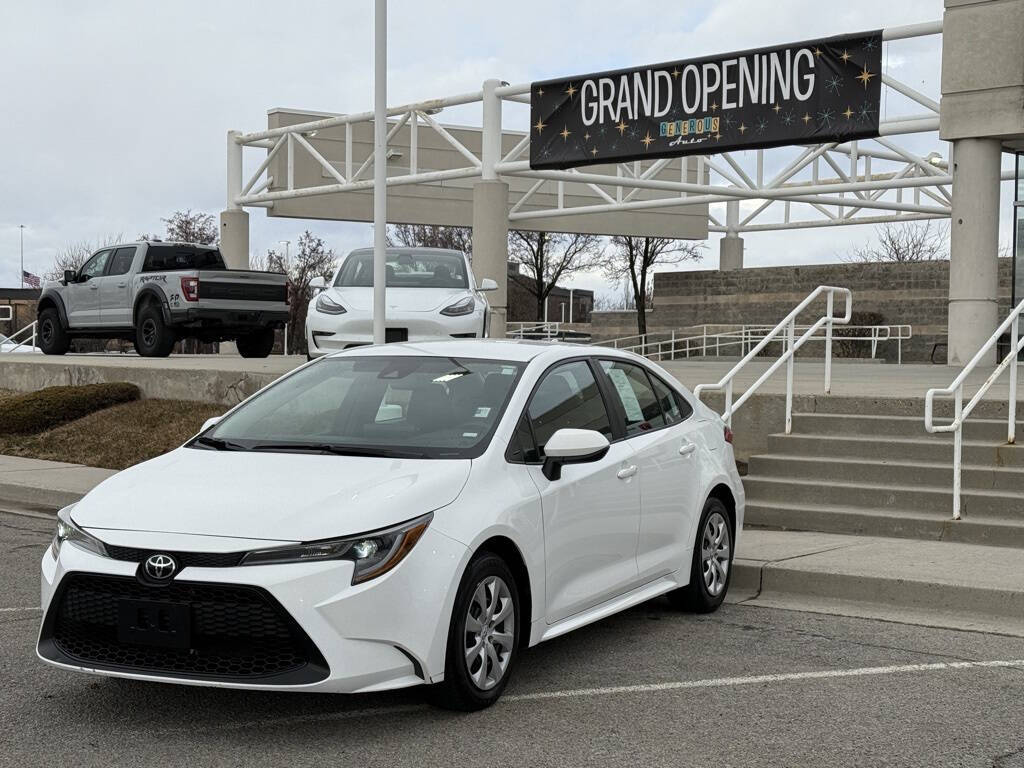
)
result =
(717, 682)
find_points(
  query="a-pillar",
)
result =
(974, 248)
(490, 247)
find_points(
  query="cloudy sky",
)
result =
(116, 112)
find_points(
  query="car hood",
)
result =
(281, 496)
(401, 299)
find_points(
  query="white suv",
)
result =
(432, 294)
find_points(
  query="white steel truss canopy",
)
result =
(319, 165)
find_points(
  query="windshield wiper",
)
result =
(218, 444)
(339, 450)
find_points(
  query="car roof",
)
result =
(516, 350)
(397, 250)
(162, 242)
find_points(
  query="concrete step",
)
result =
(892, 523)
(894, 426)
(927, 448)
(932, 582)
(827, 490)
(887, 472)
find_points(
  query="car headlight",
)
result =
(373, 554)
(462, 307)
(328, 306)
(68, 531)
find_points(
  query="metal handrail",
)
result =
(956, 390)
(788, 324)
(31, 327)
(542, 329)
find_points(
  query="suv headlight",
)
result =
(68, 531)
(462, 307)
(373, 554)
(328, 306)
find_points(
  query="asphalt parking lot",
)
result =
(651, 687)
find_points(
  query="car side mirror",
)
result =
(317, 284)
(487, 285)
(70, 276)
(572, 446)
(212, 421)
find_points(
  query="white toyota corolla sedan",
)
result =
(399, 515)
(432, 294)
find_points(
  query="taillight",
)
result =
(190, 288)
(728, 435)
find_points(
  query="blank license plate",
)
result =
(148, 622)
(393, 335)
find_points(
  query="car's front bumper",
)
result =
(387, 633)
(333, 333)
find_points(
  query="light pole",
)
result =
(287, 256)
(21, 229)
(380, 169)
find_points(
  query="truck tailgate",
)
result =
(242, 285)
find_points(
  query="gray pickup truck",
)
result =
(154, 293)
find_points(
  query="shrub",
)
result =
(845, 347)
(38, 411)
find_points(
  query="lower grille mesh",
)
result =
(237, 632)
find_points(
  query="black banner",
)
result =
(804, 93)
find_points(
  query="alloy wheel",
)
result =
(149, 332)
(490, 633)
(715, 550)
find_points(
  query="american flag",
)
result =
(32, 281)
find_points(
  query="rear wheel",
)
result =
(256, 344)
(711, 567)
(153, 338)
(483, 637)
(52, 338)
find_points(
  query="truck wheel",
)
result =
(256, 344)
(153, 338)
(52, 338)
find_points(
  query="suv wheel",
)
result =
(711, 567)
(153, 338)
(256, 344)
(483, 637)
(51, 336)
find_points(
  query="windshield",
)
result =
(418, 269)
(405, 407)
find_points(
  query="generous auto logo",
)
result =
(160, 567)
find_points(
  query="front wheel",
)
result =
(256, 344)
(483, 637)
(711, 567)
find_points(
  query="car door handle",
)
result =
(94, 287)
(121, 285)
(687, 448)
(626, 472)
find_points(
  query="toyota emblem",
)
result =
(160, 567)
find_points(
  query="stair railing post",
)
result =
(828, 344)
(1011, 431)
(790, 339)
(672, 354)
(728, 403)
(958, 436)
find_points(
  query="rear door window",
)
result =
(164, 258)
(635, 394)
(121, 263)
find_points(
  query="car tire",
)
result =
(708, 584)
(475, 680)
(52, 338)
(256, 344)
(153, 337)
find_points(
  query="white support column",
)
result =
(380, 168)
(234, 221)
(490, 213)
(974, 248)
(730, 253)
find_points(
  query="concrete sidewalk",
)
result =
(932, 583)
(46, 484)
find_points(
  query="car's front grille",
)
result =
(184, 559)
(236, 632)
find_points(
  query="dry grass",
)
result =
(116, 437)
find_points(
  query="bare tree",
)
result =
(313, 259)
(188, 227)
(544, 258)
(74, 255)
(634, 258)
(431, 236)
(905, 241)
